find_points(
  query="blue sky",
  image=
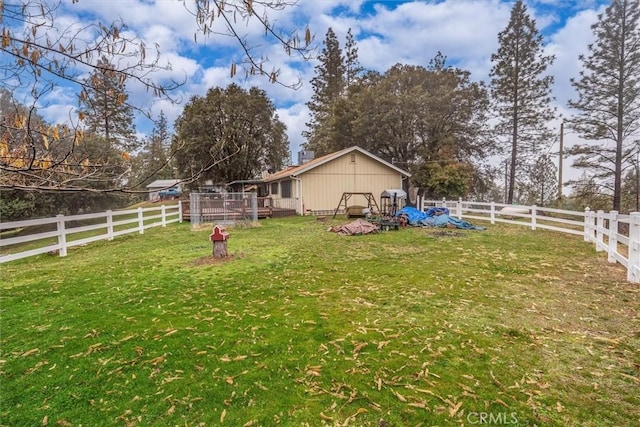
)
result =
(387, 32)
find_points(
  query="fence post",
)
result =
(459, 207)
(533, 217)
(613, 236)
(492, 215)
(633, 264)
(599, 232)
(62, 236)
(109, 225)
(444, 202)
(140, 221)
(587, 222)
(180, 211)
(164, 215)
(254, 207)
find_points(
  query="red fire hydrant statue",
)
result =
(219, 238)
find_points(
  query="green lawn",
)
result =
(304, 327)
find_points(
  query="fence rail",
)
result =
(73, 230)
(616, 234)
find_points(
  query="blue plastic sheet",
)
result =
(434, 217)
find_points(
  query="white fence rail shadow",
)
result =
(617, 235)
(66, 233)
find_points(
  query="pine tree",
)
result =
(352, 67)
(105, 110)
(158, 148)
(153, 162)
(608, 101)
(328, 87)
(542, 188)
(520, 91)
(631, 190)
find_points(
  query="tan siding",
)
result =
(323, 186)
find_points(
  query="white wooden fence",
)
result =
(65, 235)
(617, 235)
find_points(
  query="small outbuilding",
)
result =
(172, 185)
(317, 186)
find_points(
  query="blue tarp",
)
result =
(434, 217)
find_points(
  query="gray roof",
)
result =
(163, 183)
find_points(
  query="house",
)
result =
(316, 187)
(163, 185)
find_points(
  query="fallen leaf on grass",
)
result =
(359, 348)
(421, 405)
(127, 338)
(631, 377)
(501, 402)
(400, 397)
(325, 417)
(30, 352)
(93, 348)
(353, 417)
(223, 416)
(157, 360)
(453, 410)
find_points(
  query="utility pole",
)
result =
(506, 179)
(560, 155)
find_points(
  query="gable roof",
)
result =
(295, 171)
(163, 183)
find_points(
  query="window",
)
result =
(286, 188)
(353, 157)
(274, 188)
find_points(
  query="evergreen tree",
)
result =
(328, 87)
(608, 101)
(229, 134)
(154, 161)
(430, 121)
(352, 67)
(631, 190)
(105, 110)
(587, 193)
(521, 92)
(158, 164)
(542, 187)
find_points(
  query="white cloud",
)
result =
(567, 44)
(295, 118)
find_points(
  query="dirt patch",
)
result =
(445, 233)
(210, 260)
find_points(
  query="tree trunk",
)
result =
(220, 249)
